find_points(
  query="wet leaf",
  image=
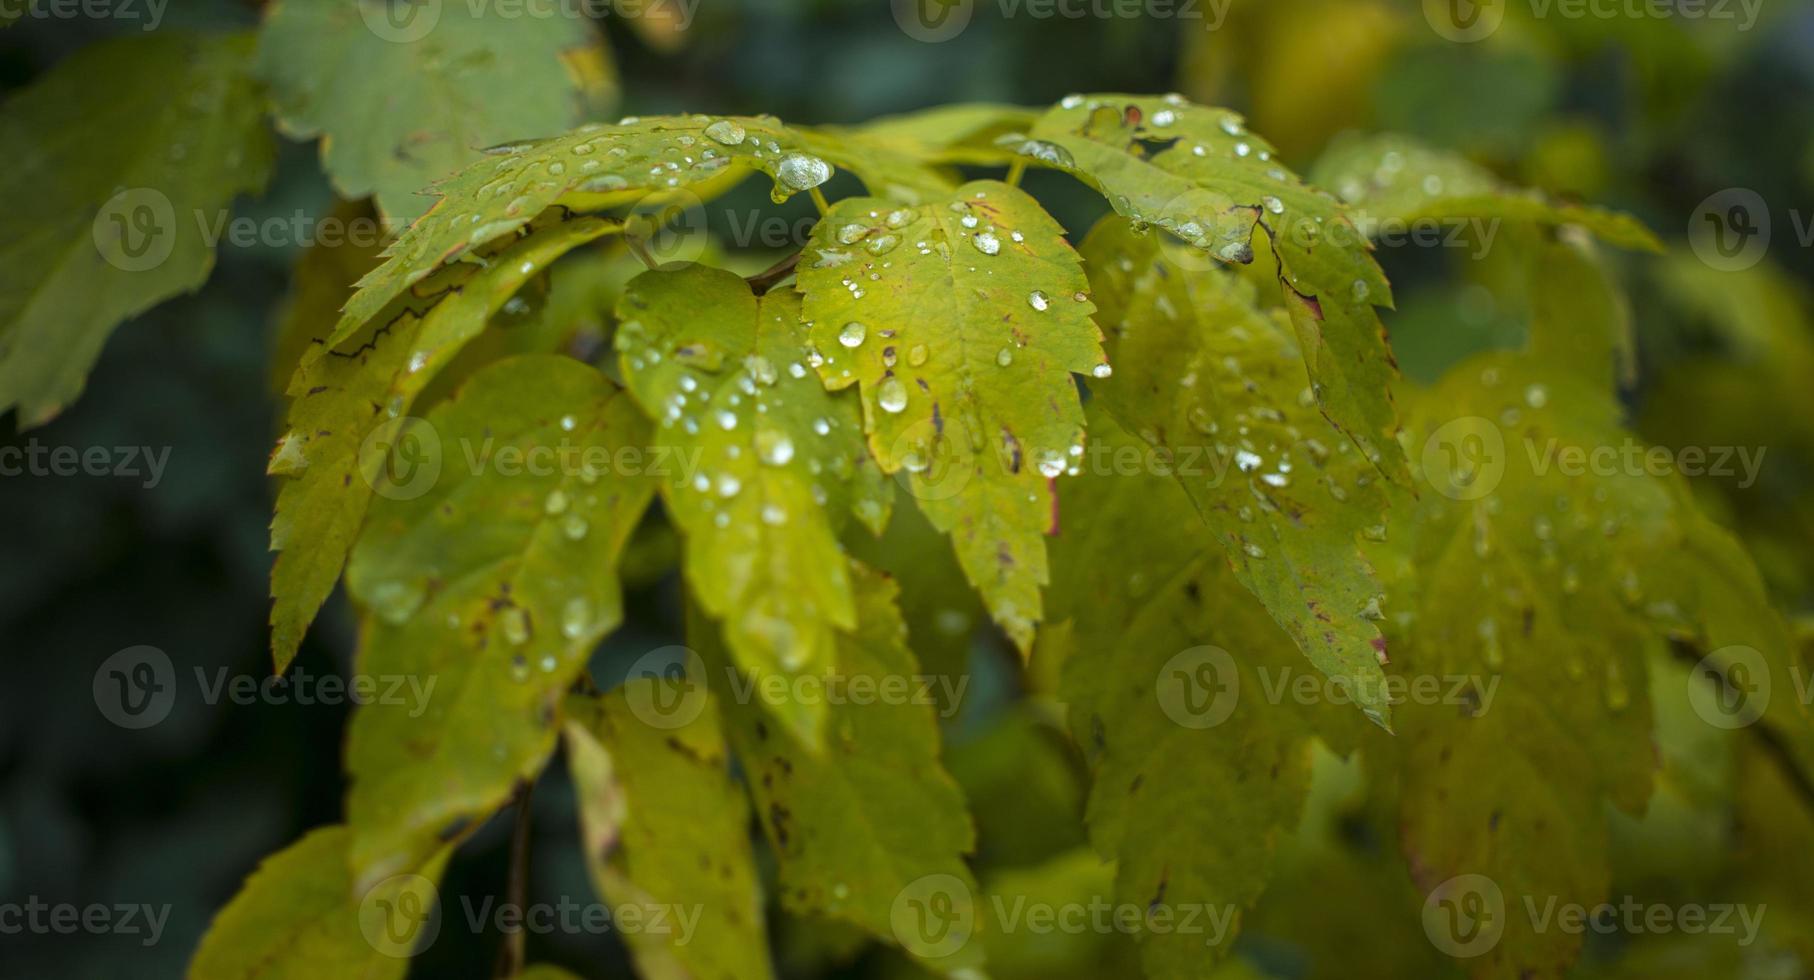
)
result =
(492, 582)
(1200, 175)
(762, 465)
(1216, 389)
(963, 321)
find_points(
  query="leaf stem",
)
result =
(510, 955)
(769, 278)
(819, 201)
(1015, 169)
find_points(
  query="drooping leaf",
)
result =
(762, 465)
(1170, 669)
(347, 407)
(873, 829)
(1547, 555)
(595, 167)
(493, 581)
(1397, 182)
(301, 915)
(667, 827)
(1200, 175)
(403, 95)
(1215, 387)
(963, 320)
(106, 219)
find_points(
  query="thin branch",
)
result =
(769, 278)
(511, 954)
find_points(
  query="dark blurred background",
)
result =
(1646, 114)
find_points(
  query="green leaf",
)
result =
(494, 582)
(301, 915)
(873, 824)
(346, 407)
(1199, 174)
(910, 159)
(1394, 181)
(400, 103)
(762, 464)
(1545, 560)
(963, 320)
(321, 281)
(110, 217)
(1169, 665)
(1215, 386)
(654, 160)
(666, 826)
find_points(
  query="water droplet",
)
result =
(556, 502)
(1102, 370)
(726, 132)
(395, 602)
(1038, 300)
(1005, 356)
(916, 355)
(576, 618)
(852, 335)
(728, 485)
(892, 395)
(515, 625)
(800, 172)
(773, 515)
(1164, 117)
(575, 527)
(1273, 204)
(1071, 101)
(1253, 550)
(773, 446)
(986, 243)
(1051, 463)
(1536, 396)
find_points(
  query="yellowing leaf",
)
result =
(1396, 181)
(1546, 556)
(1200, 175)
(1168, 667)
(762, 465)
(404, 94)
(347, 408)
(301, 915)
(872, 831)
(666, 826)
(109, 217)
(493, 582)
(963, 320)
(1216, 388)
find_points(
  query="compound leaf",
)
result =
(400, 103)
(494, 581)
(1215, 386)
(110, 217)
(666, 826)
(1200, 175)
(963, 320)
